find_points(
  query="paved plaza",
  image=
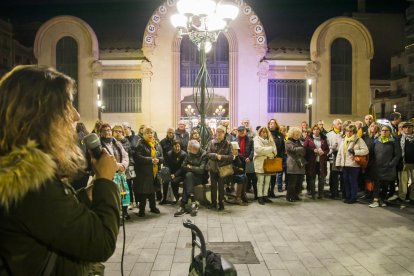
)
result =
(323, 237)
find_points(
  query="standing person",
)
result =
(239, 178)
(264, 147)
(194, 166)
(195, 135)
(44, 223)
(130, 135)
(295, 164)
(130, 174)
(407, 147)
(174, 160)
(148, 159)
(249, 129)
(334, 138)
(246, 153)
(321, 124)
(369, 172)
(386, 155)
(317, 150)
(368, 119)
(97, 127)
(395, 119)
(279, 140)
(283, 130)
(141, 132)
(351, 145)
(219, 152)
(116, 149)
(167, 142)
(182, 135)
(118, 134)
(304, 125)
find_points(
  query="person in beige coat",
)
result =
(350, 146)
(264, 147)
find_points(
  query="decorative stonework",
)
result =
(312, 70)
(146, 69)
(96, 67)
(161, 14)
(263, 70)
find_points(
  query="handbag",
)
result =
(272, 165)
(362, 160)
(226, 170)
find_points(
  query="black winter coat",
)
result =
(195, 163)
(183, 138)
(174, 162)
(279, 142)
(167, 145)
(386, 157)
(145, 181)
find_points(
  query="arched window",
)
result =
(217, 62)
(67, 60)
(341, 77)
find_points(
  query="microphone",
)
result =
(93, 143)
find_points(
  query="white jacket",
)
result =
(334, 139)
(262, 149)
(360, 148)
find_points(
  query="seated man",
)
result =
(174, 161)
(193, 167)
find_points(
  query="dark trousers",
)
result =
(174, 185)
(295, 186)
(142, 200)
(272, 185)
(216, 182)
(190, 181)
(350, 177)
(312, 180)
(130, 183)
(334, 177)
(381, 188)
(252, 182)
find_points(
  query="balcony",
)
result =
(390, 94)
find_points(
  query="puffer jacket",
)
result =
(295, 162)
(40, 214)
(347, 159)
(197, 162)
(263, 149)
(385, 156)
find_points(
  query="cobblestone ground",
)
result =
(322, 237)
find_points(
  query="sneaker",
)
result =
(180, 212)
(383, 204)
(374, 204)
(394, 197)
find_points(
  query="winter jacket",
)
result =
(347, 160)
(386, 157)
(41, 213)
(174, 161)
(369, 171)
(223, 148)
(407, 147)
(130, 171)
(145, 181)
(183, 138)
(248, 147)
(116, 149)
(295, 162)
(133, 139)
(309, 145)
(197, 162)
(167, 145)
(263, 148)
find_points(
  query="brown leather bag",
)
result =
(272, 165)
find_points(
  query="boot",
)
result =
(271, 192)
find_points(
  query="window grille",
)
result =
(122, 95)
(286, 96)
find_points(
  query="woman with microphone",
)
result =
(46, 228)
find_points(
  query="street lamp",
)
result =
(99, 99)
(219, 113)
(310, 102)
(202, 21)
(395, 107)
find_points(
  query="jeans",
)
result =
(263, 182)
(350, 177)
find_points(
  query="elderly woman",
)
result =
(295, 164)
(372, 133)
(351, 145)
(317, 150)
(219, 152)
(44, 224)
(148, 159)
(264, 147)
(386, 154)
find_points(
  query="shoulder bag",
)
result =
(226, 170)
(361, 160)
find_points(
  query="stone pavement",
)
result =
(322, 237)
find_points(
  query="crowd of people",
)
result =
(368, 157)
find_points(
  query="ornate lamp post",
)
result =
(99, 99)
(219, 113)
(310, 102)
(202, 21)
(189, 111)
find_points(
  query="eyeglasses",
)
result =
(385, 130)
(118, 131)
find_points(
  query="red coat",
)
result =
(311, 156)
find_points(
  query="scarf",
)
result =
(384, 139)
(360, 132)
(347, 140)
(242, 144)
(336, 130)
(151, 143)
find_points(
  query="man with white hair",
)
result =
(193, 166)
(334, 140)
(182, 135)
